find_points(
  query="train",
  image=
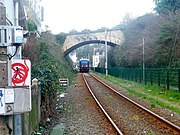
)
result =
(84, 65)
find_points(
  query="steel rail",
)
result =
(101, 107)
(140, 106)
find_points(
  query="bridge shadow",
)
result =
(86, 43)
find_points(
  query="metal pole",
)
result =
(16, 13)
(106, 52)
(17, 117)
(143, 63)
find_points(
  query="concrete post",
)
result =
(30, 125)
(3, 83)
(4, 121)
(2, 15)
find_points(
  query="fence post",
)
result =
(136, 75)
(140, 75)
(167, 79)
(158, 77)
(178, 80)
(124, 77)
(145, 77)
(125, 74)
(122, 73)
(151, 77)
(128, 74)
(131, 75)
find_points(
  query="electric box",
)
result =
(18, 35)
(15, 100)
(10, 35)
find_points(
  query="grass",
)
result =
(87, 97)
(150, 133)
(69, 111)
(109, 97)
(157, 96)
(58, 129)
(61, 89)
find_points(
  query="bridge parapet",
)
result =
(114, 36)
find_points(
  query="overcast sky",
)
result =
(65, 15)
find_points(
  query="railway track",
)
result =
(125, 115)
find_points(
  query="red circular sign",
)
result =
(20, 73)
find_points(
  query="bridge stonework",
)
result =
(113, 36)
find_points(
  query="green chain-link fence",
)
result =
(169, 78)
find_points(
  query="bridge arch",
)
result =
(73, 41)
(69, 50)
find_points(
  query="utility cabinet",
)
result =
(14, 100)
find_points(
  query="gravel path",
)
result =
(79, 116)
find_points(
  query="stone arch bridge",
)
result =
(74, 41)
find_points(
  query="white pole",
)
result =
(106, 53)
(16, 13)
(143, 63)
